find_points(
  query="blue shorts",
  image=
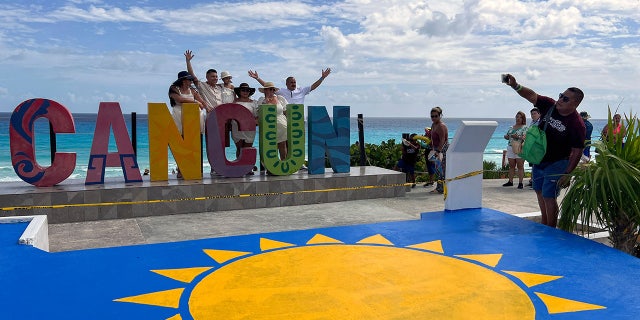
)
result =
(405, 167)
(431, 167)
(545, 177)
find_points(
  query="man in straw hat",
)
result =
(292, 93)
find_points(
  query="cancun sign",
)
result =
(325, 138)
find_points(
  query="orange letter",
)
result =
(163, 131)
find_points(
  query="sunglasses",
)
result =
(563, 98)
(245, 90)
(434, 116)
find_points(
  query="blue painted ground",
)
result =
(84, 284)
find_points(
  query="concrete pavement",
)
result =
(158, 229)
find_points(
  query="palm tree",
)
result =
(606, 192)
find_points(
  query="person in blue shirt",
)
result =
(587, 143)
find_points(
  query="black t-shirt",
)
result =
(563, 132)
(410, 154)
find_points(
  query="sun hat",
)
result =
(225, 74)
(268, 84)
(584, 115)
(244, 85)
(184, 75)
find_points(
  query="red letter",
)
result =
(110, 115)
(23, 156)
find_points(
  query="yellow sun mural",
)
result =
(371, 279)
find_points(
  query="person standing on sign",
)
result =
(270, 97)
(565, 142)
(292, 93)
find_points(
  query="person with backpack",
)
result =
(565, 134)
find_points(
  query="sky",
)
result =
(389, 58)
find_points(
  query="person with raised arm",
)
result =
(292, 93)
(565, 141)
(210, 90)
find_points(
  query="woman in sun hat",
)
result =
(181, 92)
(270, 97)
(244, 139)
(228, 94)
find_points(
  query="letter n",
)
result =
(21, 139)
(327, 139)
(110, 116)
(163, 132)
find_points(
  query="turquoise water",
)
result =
(375, 131)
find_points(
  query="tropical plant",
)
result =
(490, 170)
(385, 155)
(604, 192)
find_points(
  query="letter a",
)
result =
(110, 116)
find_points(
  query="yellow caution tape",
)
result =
(460, 177)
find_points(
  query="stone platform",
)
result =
(73, 201)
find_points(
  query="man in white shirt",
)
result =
(292, 93)
(210, 90)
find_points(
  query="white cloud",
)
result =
(412, 52)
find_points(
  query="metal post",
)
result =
(52, 142)
(134, 135)
(363, 155)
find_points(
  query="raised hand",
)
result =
(326, 72)
(189, 55)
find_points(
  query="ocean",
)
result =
(376, 130)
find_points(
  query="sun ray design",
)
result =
(320, 238)
(562, 305)
(491, 260)
(434, 246)
(222, 256)
(376, 239)
(166, 298)
(288, 272)
(532, 279)
(268, 244)
(185, 275)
